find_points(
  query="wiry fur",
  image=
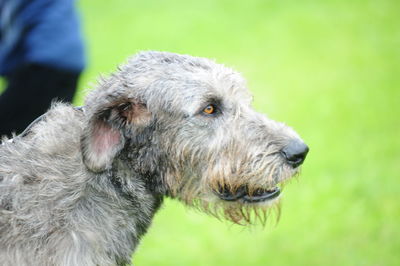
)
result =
(82, 187)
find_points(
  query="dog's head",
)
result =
(188, 122)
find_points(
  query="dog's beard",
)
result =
(237, 212)
(243, 193)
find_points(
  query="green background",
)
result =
(328, 68)
(331, 70)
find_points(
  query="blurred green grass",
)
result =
(331, 70)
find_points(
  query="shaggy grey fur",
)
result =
(82, 186)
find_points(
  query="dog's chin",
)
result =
(251, 194)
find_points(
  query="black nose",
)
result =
(295, 152)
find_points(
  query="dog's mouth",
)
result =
(243, 194)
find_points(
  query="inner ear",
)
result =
(103, 138)
(134, 113)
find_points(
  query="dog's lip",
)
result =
(242, 193)
(225, 194)
(263, 195)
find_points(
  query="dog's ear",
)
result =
(107, 131)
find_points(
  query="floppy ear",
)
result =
(105, 134)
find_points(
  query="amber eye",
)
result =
(210, 109)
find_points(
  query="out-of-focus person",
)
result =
(41, 58)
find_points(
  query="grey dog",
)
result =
(81, 186)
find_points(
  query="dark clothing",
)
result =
(41, 58)
(43, 32)
(29, 94)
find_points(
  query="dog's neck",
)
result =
(132, 200)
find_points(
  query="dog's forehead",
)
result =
(218, 86)
(187, 81)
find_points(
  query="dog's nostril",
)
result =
(295, 152)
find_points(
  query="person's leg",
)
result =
(29, 93)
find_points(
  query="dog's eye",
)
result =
(210, 109)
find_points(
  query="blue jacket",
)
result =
(40, 31)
